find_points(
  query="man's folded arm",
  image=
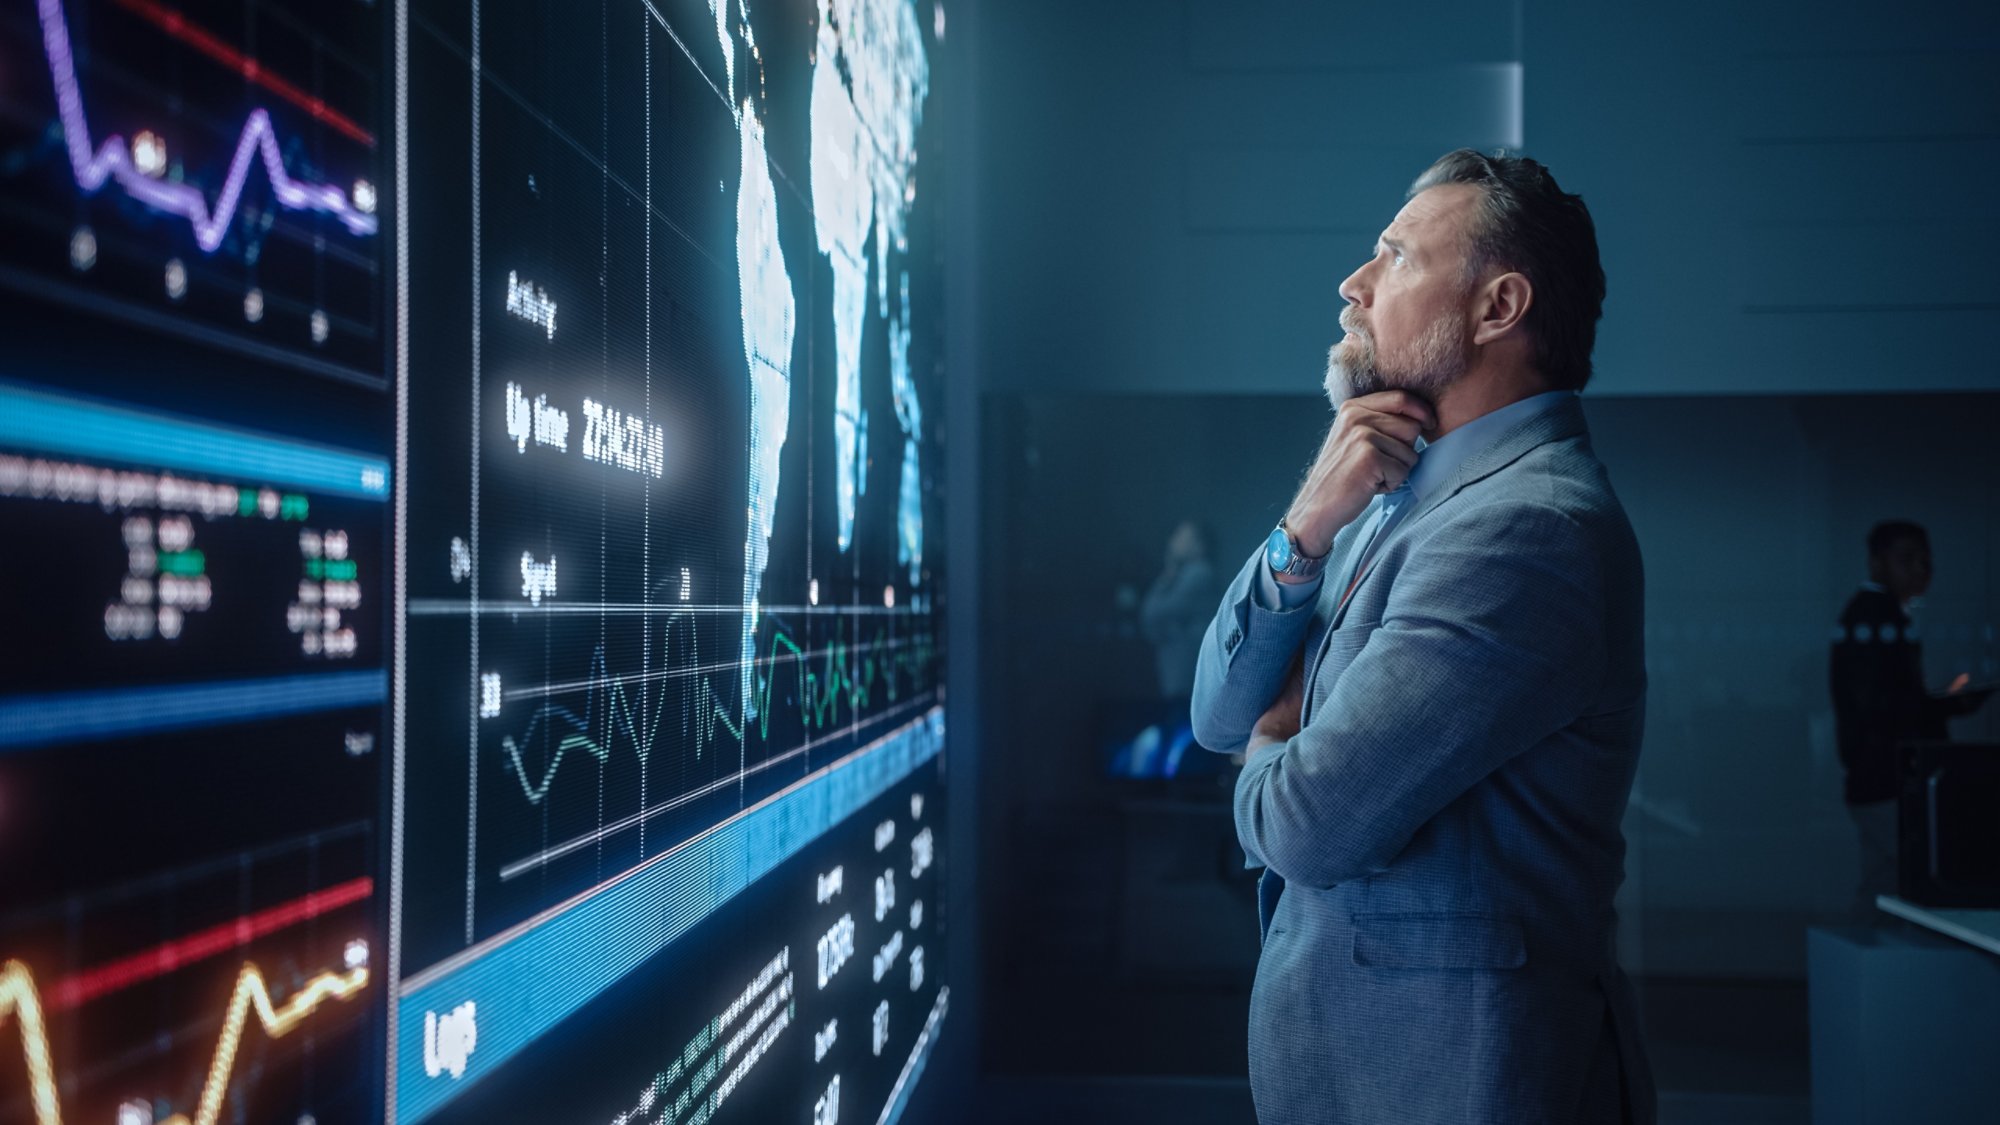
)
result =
(1245, 655)
(1489, 642)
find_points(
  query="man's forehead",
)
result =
(1432, 215)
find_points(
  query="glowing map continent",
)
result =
(769, 321)
(870, 79)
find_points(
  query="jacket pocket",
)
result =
(1438, 941)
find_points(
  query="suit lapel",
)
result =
(1336, 557)
(1558, 423)
(1328, 603)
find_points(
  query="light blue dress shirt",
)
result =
(1436, 461)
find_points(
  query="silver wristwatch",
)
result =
(1282, 554)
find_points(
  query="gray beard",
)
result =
(1442, 355)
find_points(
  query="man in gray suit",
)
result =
(1441, 731)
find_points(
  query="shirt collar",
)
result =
(1438, 460)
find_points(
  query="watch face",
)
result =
(1278, 549)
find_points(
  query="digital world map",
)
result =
(869, 82)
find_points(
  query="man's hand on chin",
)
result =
(1280, 720)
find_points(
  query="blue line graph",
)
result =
(112, 159)
(640, 725)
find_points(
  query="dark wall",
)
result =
(1791, 195)
(1115, 909)
(1175, 189)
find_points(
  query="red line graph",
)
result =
(177, 25)
(201, 945)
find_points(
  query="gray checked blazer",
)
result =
(1441, 840)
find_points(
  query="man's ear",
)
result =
(1504, 303)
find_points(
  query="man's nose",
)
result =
(1355, 290)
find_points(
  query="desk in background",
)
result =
(1906, 1020)
(1977, 928)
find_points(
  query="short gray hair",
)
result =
(1528, 224)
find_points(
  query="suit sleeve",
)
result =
(1491, 640)
(1245, 655)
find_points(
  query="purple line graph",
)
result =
(113, 158)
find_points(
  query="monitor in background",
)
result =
(1948, 837)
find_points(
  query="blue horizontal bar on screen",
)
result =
(526, 981)
(49, 424)
(84, 716)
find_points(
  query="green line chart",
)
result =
(846, 674)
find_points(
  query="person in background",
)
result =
(1879, 698)
(1177, 607)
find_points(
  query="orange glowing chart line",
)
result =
(91, 983)
(177, 25)
(19, 999)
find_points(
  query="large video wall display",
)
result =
(470, 561)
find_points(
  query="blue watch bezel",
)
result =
(1281, 554)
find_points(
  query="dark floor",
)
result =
(1724, 1052)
